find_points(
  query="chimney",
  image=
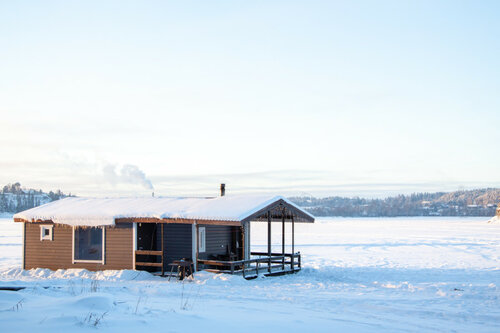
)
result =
(222, 190)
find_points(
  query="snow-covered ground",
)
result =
(359, 275)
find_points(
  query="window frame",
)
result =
(50, 236)
(202, 240)
(102, 261)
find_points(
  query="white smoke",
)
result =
(129, 174)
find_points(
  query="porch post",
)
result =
(248, 245)
(243, 249)
(197, 227)
(134, 245)
(194, 247)
(293, 240)
(283, 238)
(162, 251)
(269, 239)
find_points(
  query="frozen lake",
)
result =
(363, 275)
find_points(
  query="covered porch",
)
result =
(280, 261)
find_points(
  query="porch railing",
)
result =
(150, 263)
(274, 264)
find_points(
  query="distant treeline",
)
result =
(14, 198)
(480, 202)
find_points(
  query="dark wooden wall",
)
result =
(57, 253)
(177, 243)
(218, 239)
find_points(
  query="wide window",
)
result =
(88, 244)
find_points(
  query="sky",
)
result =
(351, 98)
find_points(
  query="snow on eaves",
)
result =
(103, 211)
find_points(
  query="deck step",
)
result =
(278, 273)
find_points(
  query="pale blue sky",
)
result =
(298, 97)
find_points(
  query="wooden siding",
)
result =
(218, 239)
(57, 254)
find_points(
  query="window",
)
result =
(201, 239)
(88, 244)
(46, 232)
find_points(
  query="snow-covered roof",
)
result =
(103, 211)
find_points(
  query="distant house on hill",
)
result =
(151, 233)
(496, 218)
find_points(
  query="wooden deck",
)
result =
(260, 263)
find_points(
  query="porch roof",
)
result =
(78, 211)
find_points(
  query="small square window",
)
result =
(46, 232)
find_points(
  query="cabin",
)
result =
(153, 233)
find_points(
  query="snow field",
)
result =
(359, 275)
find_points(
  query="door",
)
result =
(148, 239)
(146, 236)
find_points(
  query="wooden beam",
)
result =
(148, 253)
(215, 262)
(149, 264)
(137, 220)
(216, 222)
(177, 221)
